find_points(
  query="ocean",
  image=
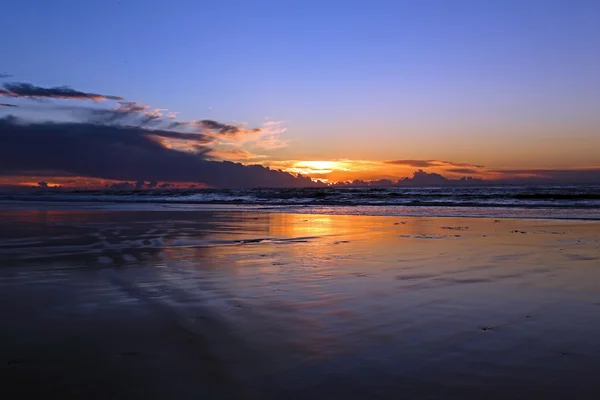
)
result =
(554, 202)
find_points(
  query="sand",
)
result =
(125, 304)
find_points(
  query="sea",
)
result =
(555, 202)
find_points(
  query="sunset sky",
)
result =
(333, 90)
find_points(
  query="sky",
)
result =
(336, 90)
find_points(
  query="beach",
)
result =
(225, 304)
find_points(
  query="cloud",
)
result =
(463, 170)
(130, 106)
(4, 75)
(421, 177)
(414, 163)
(178, 135)
(60, 92)
(233, 154)
(227, 134)
(224, 129)
(270, 142)
(222, 137)
(459, 164)
(557, 176)
(140, 185)
(122, 186)
(7, 105)
(266, 138)
(124, 153)
(431, 163)
(127, 112)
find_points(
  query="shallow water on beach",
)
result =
(310, 305)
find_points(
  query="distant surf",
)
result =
(571, 202)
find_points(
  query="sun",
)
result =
(316, 167)
(319, 165)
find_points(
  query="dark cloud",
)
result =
(459, 164)
(232, 154)
(122, 186)
(414, 163)
(127, 113)
(590, 176)
(177, 124)
(60, 92)
(421, 177)
(46, 185)
(431, 163)
(131, 106)
(220, 135)
(126, 116)
(555, 176)
(463, 170)
(124, 153)
(7, 105)
(145, 185)
(4, 75)
(225, 129)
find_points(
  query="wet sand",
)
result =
(124, 304)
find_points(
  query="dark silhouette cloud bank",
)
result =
(125, 153)
(420, 177)
(132, 143)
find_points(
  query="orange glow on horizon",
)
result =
(83, 183)
(309, 168)
(333, 171)
(324, 171)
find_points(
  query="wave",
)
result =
(584, 197)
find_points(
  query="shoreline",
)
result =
(575, 214)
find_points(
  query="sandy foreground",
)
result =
(189, 305)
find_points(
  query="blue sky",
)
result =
(503, 83)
